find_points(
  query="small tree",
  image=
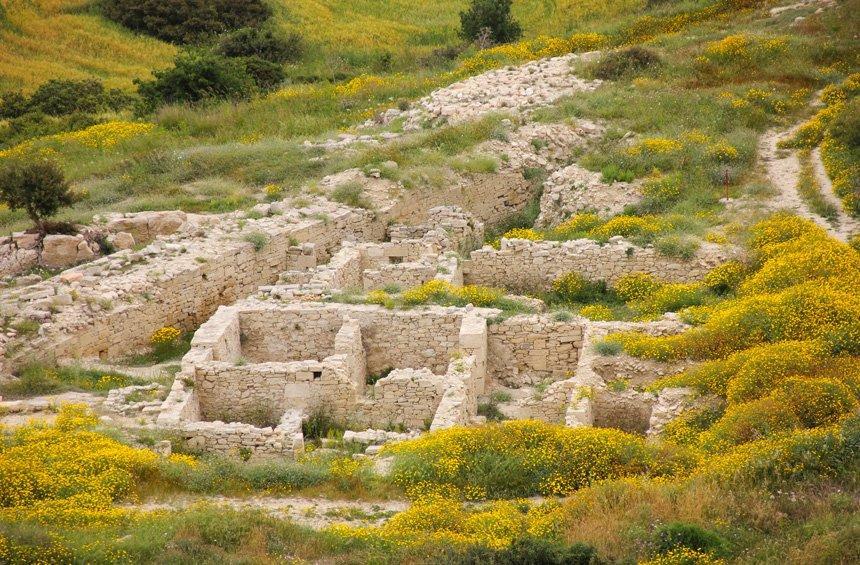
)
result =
(491, 17)
(37, 187)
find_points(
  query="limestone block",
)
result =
(63, 250)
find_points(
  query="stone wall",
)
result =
(529, 349)
(183, 290)
(392, 338)
(403, 276)
(489, 197)
(408, 397)
(523, 266)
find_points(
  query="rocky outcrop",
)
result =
(146, 226)
(66, 250)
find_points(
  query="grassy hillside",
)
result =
(44, 39)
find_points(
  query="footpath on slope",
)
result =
(783, 172)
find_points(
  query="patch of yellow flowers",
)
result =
(437, 520)
(165, 335)
(67, 473)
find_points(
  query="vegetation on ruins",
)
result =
(205, 106)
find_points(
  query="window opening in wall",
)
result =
(317, 375)
(394, 260)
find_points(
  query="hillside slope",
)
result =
(44, 39)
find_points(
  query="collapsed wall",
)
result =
(524, 265)
(113, 305)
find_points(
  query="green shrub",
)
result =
(846, 125)
(608, 348)
(33, 381)
(573, 287)
(492, 18)
(37, 187)
(524, 551)
(185, 21)
(319, 424)
(13, 105)
(631, 60)
(613, 173)
(266, 74)
(197, 76)
(59, 97)
(677, 246)
(681, 534)
(265, 44)
(257, 239)
(351, 194)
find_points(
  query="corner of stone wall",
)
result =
(347, 342)
(473, 343)
(221, 335)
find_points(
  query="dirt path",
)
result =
(783, 172)
(848, 225)
(316, 513)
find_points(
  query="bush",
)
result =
(636, 286)
(631, 60)
(257, 239)
(197, 76)
(748, 422)
(351, 194)
(13, 105)
(613, 173)
(58, 97)
(529, 550)
(523, 458)
(677, 246)
(185, 21)
(266, 74)
(253, 42)
(680, 534)
(37, 187)
(489, 17)
(846, 125)
(572, 287)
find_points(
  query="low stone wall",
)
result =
(403, 276)
(529, 349)
(524, 266)
(408, 397)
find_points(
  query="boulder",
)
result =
(146, 226)
(61, 250)
(121, 240)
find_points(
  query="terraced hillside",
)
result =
(584, 297)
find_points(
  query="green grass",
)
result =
(810, 190)
(38, 379)
(161, 353)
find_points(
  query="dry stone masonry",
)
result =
(274, 347)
